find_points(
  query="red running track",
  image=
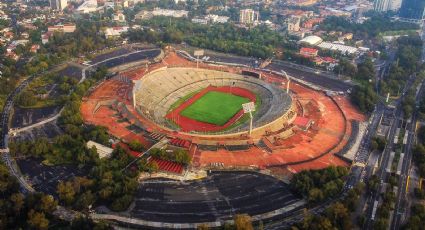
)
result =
(186, 124)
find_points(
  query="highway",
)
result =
(382, 173)
(402, 199)
(13, 169)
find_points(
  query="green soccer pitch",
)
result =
(215, 108)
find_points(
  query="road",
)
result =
(402, 199)
(382, 173)
(13, 169)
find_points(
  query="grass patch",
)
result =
(182, 100)
(245, 117)
(215, 108)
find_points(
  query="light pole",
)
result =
(287, 79)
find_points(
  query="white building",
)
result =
(386, 5)
(170, 13)
(87, 7)
(58, 4)
(248, 16)
(217, 18)
(119, 17)
(312, 40)
(338, 47)
(102, 150)
(113, 32)
(395, 5)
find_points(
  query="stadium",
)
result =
(209, 102)
(199, 107)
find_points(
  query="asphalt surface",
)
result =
(127, 58)
(220, 196)
(316, 79)
(382, 173)
(401, 205)
(45, 178)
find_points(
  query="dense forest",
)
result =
(368, 29)
(259, 42)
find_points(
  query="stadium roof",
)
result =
(312, 40)
(342, 48)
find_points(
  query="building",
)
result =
(347, 36)
(293, 24)
(248, 16)
(45, 37)
(412, 9)
(202, 21)
(211, 18)
(395, 5)
(346, 50)
(386, 5)
(88, 7)
(102, 151)
(58, 4)
(170, 13)
(143, 15)
(312, 40)
(66, 28)
(312, 22)
(119, 17)
(114, 32)
(217, 18)
(308, 52)
(303, 2)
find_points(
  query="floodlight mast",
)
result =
(197, 54)
(249, 108)
(287, 79)
(250, 123)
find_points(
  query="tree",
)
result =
(122, 203)
(243, 222)
(26, 99)
(18, 201)
(37, 220)
(135, 145)
(66, 192)
(203, 227)
(48, 204)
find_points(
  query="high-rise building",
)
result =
(380, 5)
(412, 9)
(386, 5)
(395, 5)
(58, 4)
(248, 16)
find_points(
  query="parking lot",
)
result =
(218, 197)
(45, 178)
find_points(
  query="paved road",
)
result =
(382, 172)
(33, 126)
(402, 200)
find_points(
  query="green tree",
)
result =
(66, 192)
(37, 220)
(243, 222)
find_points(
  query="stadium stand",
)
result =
(156, 92)
(167, 166)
